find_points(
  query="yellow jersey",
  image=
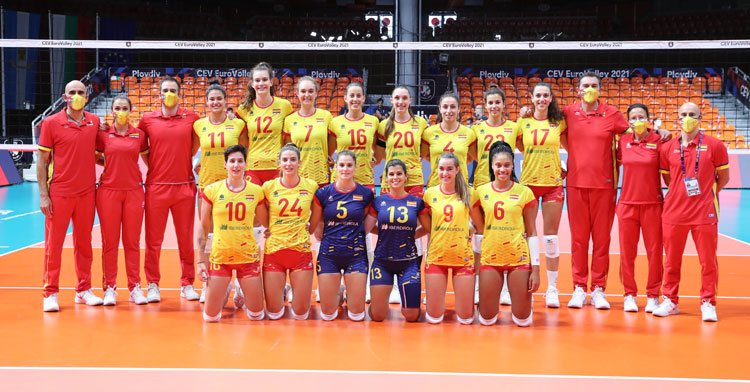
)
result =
(233, 214)
(457, 142)
(487, 134)
(358, 136)
(310, 134)
(449, 235)
(264, 126)
(289, 212)
(503, 243)
(541, 155)
(214, 139)
(404, 143)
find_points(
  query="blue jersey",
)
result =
(344, 216)
(397, 222)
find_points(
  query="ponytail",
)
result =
(250, 95)
(392, 115)
(462, 187)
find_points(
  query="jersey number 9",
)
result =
(448, 212)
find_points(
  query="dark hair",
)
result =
(502, 147)
(394, 163)
(392, 115)
(346, 153)
(379, 99)
(290, 147)
(247, 101)
(124, 98)
(494, 91)
(462, 188)
(236, 148)
(554, 113)
(446, 95)
(215, 85)
(169, 79)
(590, 75)
(637, 106)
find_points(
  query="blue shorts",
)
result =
(408, 276)
(334, 264)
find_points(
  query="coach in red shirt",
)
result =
(66, 173)
(695, 166)
(170, 186)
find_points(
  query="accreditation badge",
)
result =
(692, 187)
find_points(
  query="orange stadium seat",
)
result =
(521, 80)
(714, 84)
(464, 93)
(490, 81)
(131, 82)
(534, 80)
(682, 80)
(699, 83)
(243, 81)
(116, 84)
(201, 81)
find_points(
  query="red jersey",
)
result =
(641, 183)
(72, 167)
(121, 152)
(591, 145)
(679, 208)
(170, 141)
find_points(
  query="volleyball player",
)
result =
(120, 199)
(343, 206)
(170, 186)
(695, 166)
(449, 250)
(396, 216)
(289, 198)
(542, 173)
(640, 206)
(504, 212)
(67, 144)
(230, 206)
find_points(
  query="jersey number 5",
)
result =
(340, 207)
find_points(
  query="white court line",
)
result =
(374, 372)
(20, 215)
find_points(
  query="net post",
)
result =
(2, 61)
(51, 62)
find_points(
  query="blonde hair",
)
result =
(462, 188)
(392, 116)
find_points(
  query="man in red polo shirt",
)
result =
(66, 173)
(696, 168)
(170, 186)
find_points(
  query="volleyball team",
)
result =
(268, 181)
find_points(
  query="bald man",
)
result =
(67, 181)
(695, 166)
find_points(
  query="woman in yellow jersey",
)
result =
(288, 245)
(399, 137)
(449, 247)
(504, 214)
(231, 205)
(264, 114)
(449, 136)
(308, 129)
(542, 173)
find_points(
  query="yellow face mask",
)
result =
(121, 117)
(169, 99)
(590, 95)
(689, 124)
(77, 102)
(639, 127)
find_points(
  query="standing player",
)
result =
(231, 205)
(66, 173)
(449, 248)
(343, 206)
(692, 205)
(288, 245)
(120, 199)
(504, 212)
(542, 173)
(640, 206)
(170, 186)
(395, 213)
(308, 129)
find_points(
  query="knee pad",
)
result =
(523, 322)
(260, 239)
(551, 246)
(433, 320)
(329, 317)
(355, 316)
(484, 321)
(255, 316)
(277, 315)
(465, 321)
(209, 319)
(299, 317)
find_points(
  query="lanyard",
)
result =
(697, 156)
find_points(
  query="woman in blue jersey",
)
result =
(397, 215)
(343, 206)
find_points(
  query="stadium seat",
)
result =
(714, 84)
(131, 82)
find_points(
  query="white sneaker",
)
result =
(667, 308)
(50, 303)
(203, 295)
(652, 304)
(551, 297)
(708, 311)
(630, 305)
(599, 299)
(579, 297)
(287, 293)
(188, 292)
(109, 296)
(239, 296)
(395, 297)
(136, 296)
(88, 298)
(153, 294)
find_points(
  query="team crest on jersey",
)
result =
(275, 193)
(221, 197)
(382, 204)
(528, 125)
(486, 197)
(294, 124)
(411, 203)
(204, 129)
(330, 198)
(357, 197)
(251, 113)
(437, 137)
(343, 126)
(434, 199)
(481, 131)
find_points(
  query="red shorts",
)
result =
(244, 270)
(458, 270)
(258, 177)
(287, 259)
(505, 268)
(549, 194)
(416, 190)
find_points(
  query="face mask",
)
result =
(121, 117)
(76, 102)
(639, 127)
(590, 95)
(169, 99)
(689, 124)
